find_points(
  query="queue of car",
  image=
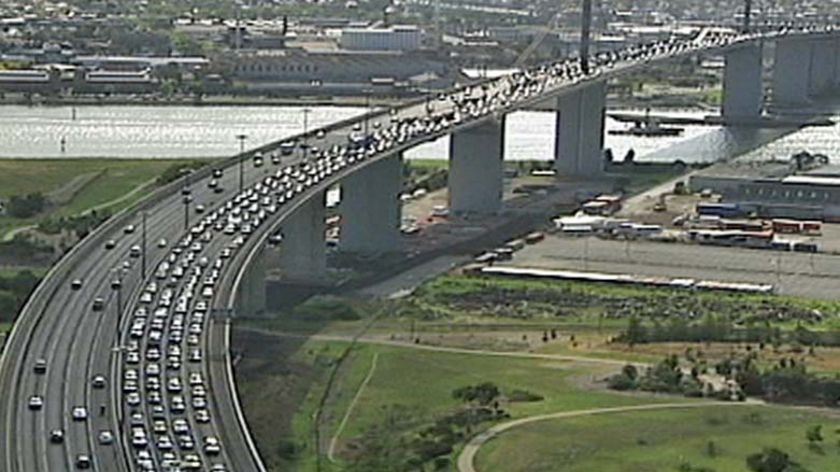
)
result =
(165, 328)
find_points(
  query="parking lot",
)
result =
(807, 275)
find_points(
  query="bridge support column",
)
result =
(743, 91)
(823, 64)
(579, 137)
(476, 168)
(791, 72)
(836, 76)
(251, 298)
(303, 255)
(370, 207)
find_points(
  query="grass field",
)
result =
(434, 375)
(109, 179)
(7, 272)
(429, 163)
(660, 441)
(406, 382)
(410, 390)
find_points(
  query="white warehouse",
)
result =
(393, 38)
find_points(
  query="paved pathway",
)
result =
(466, 460)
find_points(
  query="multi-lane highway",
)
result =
(149, 361)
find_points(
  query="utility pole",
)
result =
(143, 243)
(186, 212)
(306, 112)
(116, 286)
(585, 30)
(241, 138)
(367, 119)
(747, 15)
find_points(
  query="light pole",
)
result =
(185, 191)
(116, 286)
(187, 200)
(747, 15)
(367, 118)
(585, 28)
(306, 112)
(143, 244)
(241, 138)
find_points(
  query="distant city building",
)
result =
(136, 63)
(339, 70)
(394, 38)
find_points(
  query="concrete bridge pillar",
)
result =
(476, 168)
(251, 299)
(303, 255)
(791, 72)
(823, 64)
(836, 82)
(371, 211)
(579, 137)
(743, 91)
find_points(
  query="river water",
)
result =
(209, 131)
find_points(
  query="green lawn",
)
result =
(5, 327)
(429, 163)
(411, 389)
(110, 179)
(420, 383)
(8, 272)
(657, 441)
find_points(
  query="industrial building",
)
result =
(813, 195)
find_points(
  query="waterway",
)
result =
(209, 131)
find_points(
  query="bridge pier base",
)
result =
(370, 207)
(823, 65)
(743, 92)
(303, 255)
(476, 168)
(579, 137)
(791, 72)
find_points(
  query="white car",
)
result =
(36, 402)
(79, 413)
(106, 437)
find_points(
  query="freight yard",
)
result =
(697, 234)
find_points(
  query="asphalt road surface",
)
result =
(807, 275)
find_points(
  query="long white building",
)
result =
(393, 38)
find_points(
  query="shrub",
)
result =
(524, 396)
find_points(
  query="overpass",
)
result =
(141, 343)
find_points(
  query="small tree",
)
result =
(769, 460)
(814, 435)
(711, 449)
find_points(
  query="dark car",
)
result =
(83, 461)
